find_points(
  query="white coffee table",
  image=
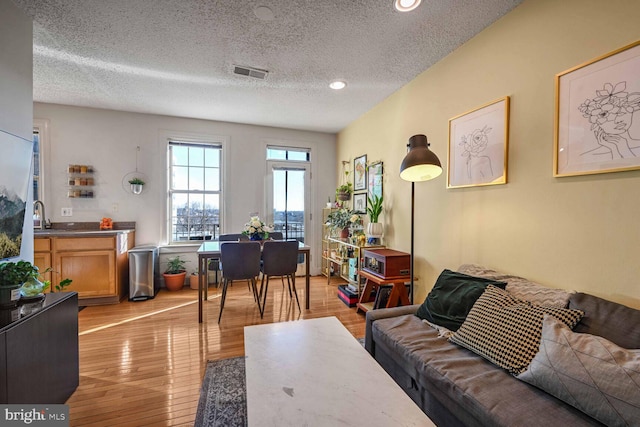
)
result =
(315, 373)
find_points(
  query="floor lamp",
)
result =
(420, 164)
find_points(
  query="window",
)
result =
(288, 153)
(40, 148)
(37, 187)
(195, 192)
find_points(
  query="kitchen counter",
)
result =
(80, 229)
(51, 232)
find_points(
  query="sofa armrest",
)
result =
(383, 313)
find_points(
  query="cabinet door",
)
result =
(42, 260)
(42, 257)
(93, 272)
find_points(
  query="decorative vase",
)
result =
(375, 229)
(174, 282)
(344, 233)
(255, 237)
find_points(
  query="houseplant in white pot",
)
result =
(374, 209)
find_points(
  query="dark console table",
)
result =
(39, 350)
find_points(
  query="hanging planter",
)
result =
(136, 185)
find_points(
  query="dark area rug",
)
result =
(223, 396)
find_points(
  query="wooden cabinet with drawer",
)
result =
(97, 265)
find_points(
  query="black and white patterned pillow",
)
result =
(507, 331)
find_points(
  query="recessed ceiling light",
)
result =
(406, 5)
(337, 85)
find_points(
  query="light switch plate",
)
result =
(67, 212)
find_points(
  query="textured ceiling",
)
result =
(176, 57)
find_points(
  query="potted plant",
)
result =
(374, 209)
(12, 276)
(175, 274)
(22, 279)
(136, 185)
(341, 220)
(343, 192)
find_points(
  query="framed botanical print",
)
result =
(478, 146)
(597, 124)
(360, 203)
(360, 173)
(374, 175)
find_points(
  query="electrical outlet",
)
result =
(66, 212)
(114, 207)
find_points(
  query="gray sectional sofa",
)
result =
(455, 386)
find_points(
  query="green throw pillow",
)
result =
(452, 297)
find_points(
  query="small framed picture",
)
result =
(360, 173)
(360, 203)
(478, 144)
(597, 123)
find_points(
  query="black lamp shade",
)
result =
(420, 163)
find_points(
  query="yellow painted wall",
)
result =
(580, 233)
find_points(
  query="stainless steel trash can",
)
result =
(144, 274)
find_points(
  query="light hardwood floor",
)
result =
(141, 363)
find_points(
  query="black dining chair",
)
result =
(279, 258)
(275, 235)
(214, 264)
(240, 261)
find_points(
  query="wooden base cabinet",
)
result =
(98, 266)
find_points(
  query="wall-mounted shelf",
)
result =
(81, 181)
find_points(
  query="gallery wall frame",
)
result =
(374, 176)
(360, 203)
(478, 146)
(360, 173)
(597, 124)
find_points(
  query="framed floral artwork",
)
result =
(360, 173)
(597, 124)
(478, 146)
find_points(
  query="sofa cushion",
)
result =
(476, 391)
(588, 372)
(506, 330)
(615, 322)
(522, 288)
(452, 297)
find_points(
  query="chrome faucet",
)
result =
(43, 216)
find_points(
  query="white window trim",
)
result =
(163, 142)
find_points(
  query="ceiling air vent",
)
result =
(250, 72)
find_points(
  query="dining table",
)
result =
(211, 250)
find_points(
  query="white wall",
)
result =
(16, 83)
(107, 140)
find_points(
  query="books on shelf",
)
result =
(346, 296)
